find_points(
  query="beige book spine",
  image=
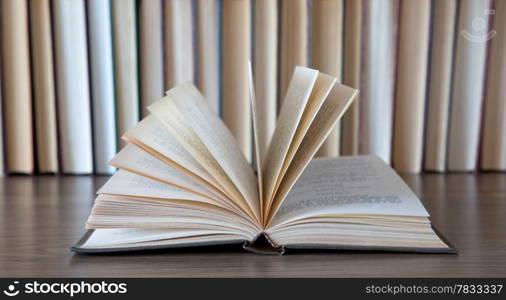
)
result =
(151, 52)
(440, 84)
(208, 45)
(410, 90)
(265, 69)
(327, 54)
(236, 51)
(294, 40)
(44, 86)
(17, 94)
(2, 157)
(125, 58)
(178, 34)
(351, 74)
(494, 131)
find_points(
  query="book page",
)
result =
(331, 111)
(321, 90)
(135, 160)
(218, 140)
(151, 136)
(131, 184)
(140, 237)
(259, 151)
(358, 185)
(296, 98)
(169, 115)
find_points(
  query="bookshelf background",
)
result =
(75, 74)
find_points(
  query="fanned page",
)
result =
(207, 137)
(332, 110)
(297, 97)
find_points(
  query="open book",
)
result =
(183, 181)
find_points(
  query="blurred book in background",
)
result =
(16, 87)
(124, 15)
(44, 94)
(73, 87)
(430, 75)
(468, 84)
(493, 151)
(439, 84)
(102, 84)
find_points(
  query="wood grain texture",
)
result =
(41, 217)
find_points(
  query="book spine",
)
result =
(73, 87)
(468, 84)
(327, 33)
(125, 65)
(294, 41)
(17, 94)
(443, 33)
(208, 49)
(378, 52)
(494, 132)
(265, 69)
(179, 55)
(351, 74)
(151, 52)
(102, 84)
(44, 86)
(236, 53)
(410, 86)
(2, 157)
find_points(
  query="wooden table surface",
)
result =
(41, 217)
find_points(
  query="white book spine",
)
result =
(377, 77)
(265, 69)
(179, 56)
(73, 86)
(468, 84)
(102, 83)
